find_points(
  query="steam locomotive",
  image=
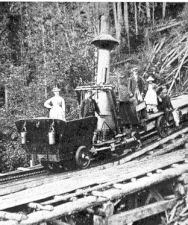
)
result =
(56, 143)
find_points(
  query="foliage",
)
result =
(48, 43)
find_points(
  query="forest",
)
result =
(44, 44)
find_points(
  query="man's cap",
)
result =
(55, 89)
(150, 78)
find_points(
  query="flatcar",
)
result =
(56, 143)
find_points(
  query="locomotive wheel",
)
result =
(162, 127)
(82, 157)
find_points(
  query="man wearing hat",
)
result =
(165, 104)
(127, 111)
(56, 105)
(136, 87)
(89, 106)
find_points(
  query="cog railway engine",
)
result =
(56, 143)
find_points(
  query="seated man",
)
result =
(89, 106)
(165, 104)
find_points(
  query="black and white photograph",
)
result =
(93, 113)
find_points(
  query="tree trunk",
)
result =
(119, 13)
(153, 12)
(6, 99)
(44, 57)
(148, 12)
(116, 19)
(126, 20)
(164, 9)
(139, 10)
(135, 16)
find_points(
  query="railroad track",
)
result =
(151, 145)
(22, 173)
(110, 184)
(37, 176)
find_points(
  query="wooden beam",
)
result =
(172, 146)
(58, 222)
(144, 182)
(91, 201)
(183, 178)
(154, 145)
(60, 210)
(107, 177)
(167, 27)
(12, 216)
(106, 210)
(38, 206)
(99, 220)
(141, 212)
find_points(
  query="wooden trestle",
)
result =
(98, 191)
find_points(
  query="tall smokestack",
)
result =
(105, 43)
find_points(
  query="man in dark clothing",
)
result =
(89, 106)
(136, 86)
(127, 111)
(165, 104)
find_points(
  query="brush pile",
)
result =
(167, 60)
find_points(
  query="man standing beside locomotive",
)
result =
(136, 87)
(89, 106)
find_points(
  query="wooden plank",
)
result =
(108, 176)
(100, 220)
(154, 145)
(91, 201)
(38, 206)
(171, 146)
(141, 212)
(64, 209)
(184, 178)
(144, 182)
(12, 216)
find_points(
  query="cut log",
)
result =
(12, 216)
(179, 190)
(133, 179)
(141, 212)
(106, 210)
(169, 26)
(171, 146)
(159, 171)
(99, 220)
(58, 222)
(38, 206)
(149, 174)
(177, 73)
(183, 178)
